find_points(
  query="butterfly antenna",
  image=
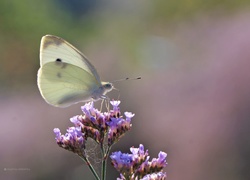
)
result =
(127, 78)
(124, 79)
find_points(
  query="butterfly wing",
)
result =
(65, 76)
(55, 48)
(64, 84)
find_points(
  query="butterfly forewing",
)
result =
(54, 48)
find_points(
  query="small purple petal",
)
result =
(121, 159)
(134, 150)
(159, 175)
(87, 108)
(141, 149)
(138, 151)
(128, 115)
(114, 121)
(162, 156)
(75, 120)
(115, 105)
(93, 119)
(162, 159)
(74, 131)
(57, 133)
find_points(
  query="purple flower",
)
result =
(161, 161)
(114, 122)
(57, 133)
(115, 112)
(139, 154)
(137, 151)
(89, 111)
(96, 125)
(129, 115)
(106, 129)
(155, 176)
(115, 105)
(93, 117)
(138, 165)
(73, 140)
(162, 158)
(117, 128)
(75, 120)
(121, 160)
(74, 132)
(87, 108)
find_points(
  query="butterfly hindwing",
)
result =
(63, 84)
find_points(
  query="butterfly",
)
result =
(66, 76)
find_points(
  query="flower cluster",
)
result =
(96, 125)
(137, 165)
(106, 128)
(72, 140)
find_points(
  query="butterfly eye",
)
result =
(108, 86)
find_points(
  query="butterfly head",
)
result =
(107, 86)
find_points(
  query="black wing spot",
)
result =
(59, 62)
(59, 75)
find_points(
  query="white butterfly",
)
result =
(66, 76)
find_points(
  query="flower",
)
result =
(139, 155)
(155, 176)
(73, 140)
(137, 165)
(106, 128)
(160, 162)
(115, 105)
(129, 115)
(58, 134)
(121, 160)
(116, 110)
(88, 109)
(117, 128)
(96, 125)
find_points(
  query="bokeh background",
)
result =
(193, 101)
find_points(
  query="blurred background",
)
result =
(193, 101)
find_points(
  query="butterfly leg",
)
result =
(106, 99)
(101, 105)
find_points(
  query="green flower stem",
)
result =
(90, 167)
(103, 171)
(104, 168)
(104, 162)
